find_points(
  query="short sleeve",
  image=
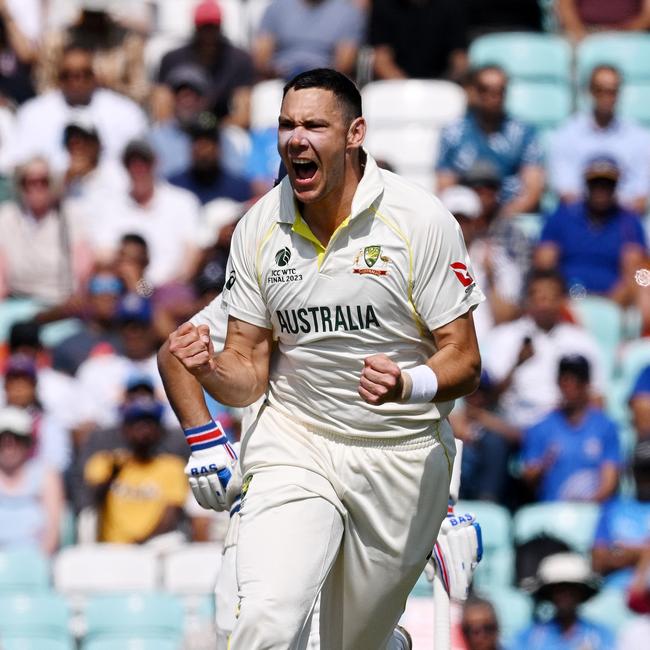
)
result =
(603, 534)
(642, 383)
(552, 230)
(532, 152)
(636, 234)
(443, 279)
(611, 447)
(352, 27)
(216, 318)
(242, 296)
(446, 150)
(533, 446)
(98, 468)
(175, 484)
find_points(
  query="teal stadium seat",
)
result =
(634, 102)
(608, 608)
(132, 644)
(23, 570)
(629, 52)
(34, 615)
(530, 224)
(533, 57)
(542, 104)
(573, 523)
(513, 607)
(36, 643)
(144, 616)
(497, 566)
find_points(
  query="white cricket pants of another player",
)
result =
(355, 518)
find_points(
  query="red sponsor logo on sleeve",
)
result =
(460, 271)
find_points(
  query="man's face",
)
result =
(545, 301)
(36, 187)
(205, 153)
(20, 390)
(142, 435)
(491, 86)
(188, 103)
(566, 599)
(140, 170)
(480, 628)
(14, 450)
(604, 90)
(138, 340)
(601, 194)
(312, 142)
(83, 146)
(76, 77)
(574, 390)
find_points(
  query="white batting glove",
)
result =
(456, 554)
(211, 466)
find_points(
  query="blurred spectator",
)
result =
(31, 493)
(298, 35)
(139, 492)
(41, 121)
(99, 327)
(117, 52)
(420, 39)
(50, 441)
(595, 244)
(635, 633)
(579, 17)
(565, 580)
(623, 529)
(261, 165)
(219, 220)
(166, 217)
(573, 453)
(479, 625)
(523, 356)
(601, 132)
(44, 254)
(494, 270)
(17, 55)
(228, 68)
(488, 133)
(485, 16)
(205, 176)
(639, 402)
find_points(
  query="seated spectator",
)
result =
(639, 402)
(118, 52)
(479, 625)
(573, 453)
(37, 227)
(601, 132)
(205, 176)
(494, 270)
(414, 39)
(579, 17)
(487, 16)
(488, 133)
(41, 121)
(18, 54)
(566, 582)
(139, 492)
(229, 69)
(166, 217)
(523, 356)
(595, 244)
(623, 530)
(50, 441)
(31, 493)
(263, 159)
(299, 35)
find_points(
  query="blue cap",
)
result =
(143, 407)
(105, 283)
(139, 380)
(602, 167)
(134, 308)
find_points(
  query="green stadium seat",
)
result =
(24, 570)
(36, 643)
(573, 523)
(543, 104)
(608, 608)
(633, 358)
(132, 644)
(629, 52)
(423, 588)
(497, 566)
(513, 607)
(634, 102)
(34, 615)
(535, 57)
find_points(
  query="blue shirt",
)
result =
(548, 636)
(512, 147)
(624, 521)
(642, 383)
(224, 186)
(263, 158)
(577, 454)
(590, 252)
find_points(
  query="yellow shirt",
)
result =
(138, 496)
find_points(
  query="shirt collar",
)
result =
(613, 125)
(370, 188)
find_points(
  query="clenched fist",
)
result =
(192, 346)
(381, 380)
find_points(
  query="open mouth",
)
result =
(305, 170)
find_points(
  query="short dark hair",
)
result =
(134, 238)
(477, 601)
(540, 275)
(344, 89)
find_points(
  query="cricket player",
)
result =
(349, 297)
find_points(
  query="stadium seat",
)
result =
(192, 569)
(534, 57)
(530, 224)
(629, 52)
(412, 101)
(146, 616)
(36, 643)
(634, 102)
(545, 105)
(266, 98)
(608, 608)
(43, 615)
(573, 523)
(513, 607)
(423, 588)
(96, 568)
(132, 644)
(497, 566)
(24, 570)
(633, 358)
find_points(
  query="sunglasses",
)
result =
(35, 181)
(485, 89)
(83, 74)
(486, 628)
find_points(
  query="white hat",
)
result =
(461, 200)
(16, 421)
(565, 568)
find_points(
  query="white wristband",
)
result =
(420, 384)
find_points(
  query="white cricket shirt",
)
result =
(394, 270)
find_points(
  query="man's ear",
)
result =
(357, 132)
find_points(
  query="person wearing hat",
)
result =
(566, 581)
(623, 530)
(138, 490)
(31, 492)
(596, 244)
(573, 454)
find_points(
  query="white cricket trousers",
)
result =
(353, 519)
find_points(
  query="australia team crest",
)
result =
(370, 261)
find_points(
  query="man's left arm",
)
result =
(532, 179)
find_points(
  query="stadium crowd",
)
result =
(130, 148)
